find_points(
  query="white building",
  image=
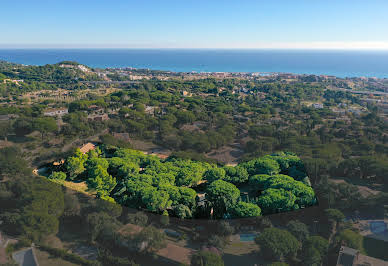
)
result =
(56, 112)
(317, 105)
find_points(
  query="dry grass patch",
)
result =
(45, 259)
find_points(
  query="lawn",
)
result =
(45, 259)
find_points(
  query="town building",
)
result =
(98, 117)
(317, 105)
(87, 147)
(56, 112)
(352, 257)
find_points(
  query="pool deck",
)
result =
(365, 229)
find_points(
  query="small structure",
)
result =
(60, 162)
(56, 112)
(87, 147)
(352, 257)
(25, 257)
(98, 117)
(317, 105)
(7, 117)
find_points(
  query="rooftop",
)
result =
(87, 147)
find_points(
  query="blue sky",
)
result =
(343, 24)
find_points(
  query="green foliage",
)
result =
(138, 218)
(71, 257)
(314, 250)
(107, 258)
(224, 229)
(236, 175)
(101, 225)
(276, 200)
(153, 237)
(43, 204)
(112, 141)
(75, 165)
(11, 163)
(278, 244)
(278, 264)
(214, 174)
(206, 258)
(222, 195)
(22, 126)
(299, 230)
(264, 165)
(145, 181)
(334, 215)
(45, 125)
(244, 209)
(57, 175)
(311, 257)
(101, 181)
(350, 239)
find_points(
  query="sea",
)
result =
(338, 63)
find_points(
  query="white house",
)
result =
(56, 112)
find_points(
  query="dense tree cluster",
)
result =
(174, 185)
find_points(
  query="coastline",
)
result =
(338, 63)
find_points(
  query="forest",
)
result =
(334, 136)
(268, 184)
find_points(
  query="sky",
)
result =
(249, 24)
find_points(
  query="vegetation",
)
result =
(171, 186)
(278, 244)
(206, 258)
(199, 121)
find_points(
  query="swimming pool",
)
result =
(247, 237)
(377, 227)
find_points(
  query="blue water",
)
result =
(247, 237)
(337, 63)
(378, 227)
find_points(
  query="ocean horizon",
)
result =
(340, 63)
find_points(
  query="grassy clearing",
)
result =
(45, 259)
(239, 248)
(80, 187)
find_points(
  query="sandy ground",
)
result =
(226, 154)
(364, 190)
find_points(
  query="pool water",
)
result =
(377, 227)
(247, 237)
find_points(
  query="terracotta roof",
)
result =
(87, 147)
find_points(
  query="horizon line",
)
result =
(328, 45)
(195, 48)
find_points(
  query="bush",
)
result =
(58, 175)
(63, 254)
(277, 243)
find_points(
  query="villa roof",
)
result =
(87, 147)
(349, 257)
